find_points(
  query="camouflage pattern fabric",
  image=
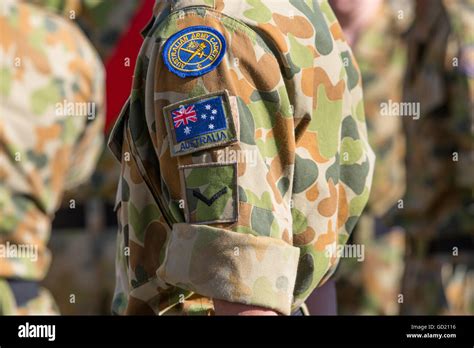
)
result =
(437, 209)
(103, 22)
(43, 304)
(256, 220)
(52, 115)
(372, 286)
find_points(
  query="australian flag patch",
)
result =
(200, 123)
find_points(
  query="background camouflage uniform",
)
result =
(45, 62)
(372, 286)
(299, 107)
(438, 206)
(83, 239)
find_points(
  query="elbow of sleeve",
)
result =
(230, 266)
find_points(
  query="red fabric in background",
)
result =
(119, 76)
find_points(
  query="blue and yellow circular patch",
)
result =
(194, 51)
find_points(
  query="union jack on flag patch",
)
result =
(201, 122)
(196, 119)
(183, 116)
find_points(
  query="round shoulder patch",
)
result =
(194, 51)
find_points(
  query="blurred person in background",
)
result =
(83, 241)
(51, 133)
(374, 28)
(438, 212)
(437, 209)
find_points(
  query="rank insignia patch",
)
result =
(199, 123)
(211, 192)
(194, 51)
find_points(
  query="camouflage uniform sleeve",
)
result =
(236, 247)
(254, 170)
(90, 90)
(89, 144)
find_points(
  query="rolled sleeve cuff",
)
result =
(230, 266)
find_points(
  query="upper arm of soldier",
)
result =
(90, 74)
(220, 119)
(266, 147)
